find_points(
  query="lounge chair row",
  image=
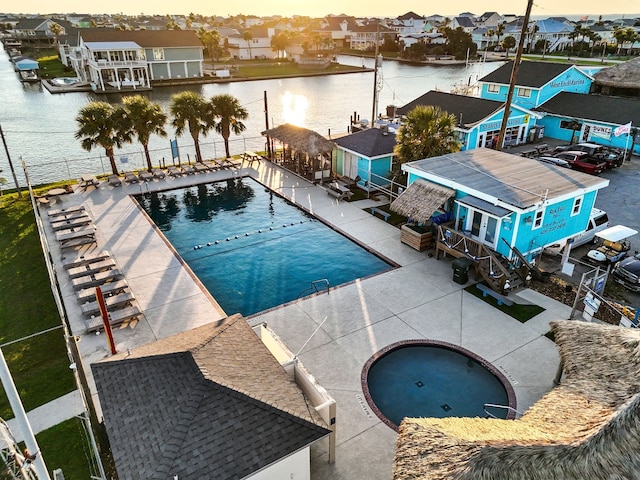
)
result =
(72, 226)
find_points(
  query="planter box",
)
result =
(419, 241)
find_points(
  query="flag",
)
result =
(622, 129)
(585, 18)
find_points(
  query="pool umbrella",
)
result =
(587, 427)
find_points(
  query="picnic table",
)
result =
(87, 181)
(251, 157)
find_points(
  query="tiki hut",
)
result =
(622, 79)
(587, 427)
(421, 199)
(303, 151)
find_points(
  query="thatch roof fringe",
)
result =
(301, 139)
(421, 199)
(624, 75)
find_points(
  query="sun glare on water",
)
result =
(294, 109)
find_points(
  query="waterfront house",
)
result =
(115, 59)
(504, 201)
(258, 46)
(37, 32)
(465, 23)
(365, 156)
(557, 35)
(338, 29)
(212, 402)
(478, 119)
(366, 36)
(410, 23)
(575, 117)
(536, 82)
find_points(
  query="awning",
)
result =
(479, 204)
(421, 199)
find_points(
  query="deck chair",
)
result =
(145, 176)
(200, 167)
(116, 317)
(131, 177)
(175, 171)
(188, 169)
(71, 223)
(96, 279)
(111, 288)
(79, 260)
(114, 181)
(158, 173)
(111, 302)
(91, 268)
(65, 211)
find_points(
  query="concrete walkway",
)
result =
(418, 300)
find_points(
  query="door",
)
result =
(484, 228)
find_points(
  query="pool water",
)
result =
(427, 380)
(252, 249)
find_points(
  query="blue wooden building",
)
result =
(504, 201)
(536, 82)
(478, 119)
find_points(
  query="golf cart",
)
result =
(613, 244)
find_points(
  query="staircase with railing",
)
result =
(500, 274)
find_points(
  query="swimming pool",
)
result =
(425, 378)
(252, 249)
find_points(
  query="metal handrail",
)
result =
(322, 280)
(504, 407)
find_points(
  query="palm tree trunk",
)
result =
(146, 154)
(112, 160)
(226, 146)
(196, 143)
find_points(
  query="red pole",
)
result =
(105, 320)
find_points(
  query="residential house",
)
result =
(338, 28)
(366, 156)
(536, 82)
(212, 402)
(506, 201)
(409, 23)
(575, 117)
(478, 119)
(258, 46)
(367, 36)
(113, 59)
(488, 19)
(80, 20)
(37, 32)
(466, 23)
(556, 34)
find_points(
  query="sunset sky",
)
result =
(353, 7)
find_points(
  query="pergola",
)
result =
(303, 151)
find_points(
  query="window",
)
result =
(537, 221)
(524, 92)
(577, 206)
(158, 53)
(493, 88)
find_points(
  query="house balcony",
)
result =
(119, 64)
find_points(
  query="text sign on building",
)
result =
(512, 122)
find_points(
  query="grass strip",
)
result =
(520, 312)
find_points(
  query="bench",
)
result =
(502, 300)
(382, 213)
(335, 193)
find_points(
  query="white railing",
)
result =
(127, 63)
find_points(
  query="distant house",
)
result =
(504, 201)
(536, 82)
(478, 119)
(410, 22)
(338, 28)
(212, 402)
(258, 46)
(366, 156)
(466, 23)
(556, 34)
(574, 117)
(365, 37)
(115, 59)
(488, 19)
(37, 32)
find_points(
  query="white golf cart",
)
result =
(613, 244)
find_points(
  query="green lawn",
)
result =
(286, 68)
(520, 312)
(65, 446)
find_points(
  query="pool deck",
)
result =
(418, 300)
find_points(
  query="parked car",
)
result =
(613, 157)
(627, 273)
(598, 221)
(581, 161)
(554, 161)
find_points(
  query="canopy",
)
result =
(27, 64)
(300, 139)
(421, 199)
(616, 233)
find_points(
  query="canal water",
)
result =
(39, 127)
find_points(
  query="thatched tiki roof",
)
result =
(421, 199)
(588, 427)
(300, 139)
(624, 75)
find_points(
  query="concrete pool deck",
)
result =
(418, 300)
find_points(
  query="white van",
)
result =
(598, 221)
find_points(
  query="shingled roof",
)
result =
(588, 427)
(370, 143)
(208, 403)
(603, 108)
(144, 38)
(530, 74)
(468, 109)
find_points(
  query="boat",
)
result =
(29, 76)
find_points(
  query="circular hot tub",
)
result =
(426, 378)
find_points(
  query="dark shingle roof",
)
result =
(144, 38)
(208, 403)
(472, 109)
(410, 15)
(465, 22)
(530, 74)
(370, 143)
(616, 110)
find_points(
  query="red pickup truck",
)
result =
(581, 161)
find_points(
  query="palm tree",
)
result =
(143, 119)
(100, 125)
(190, 111)
(507, 43)
(427, 132)
(500, 30)
(490, 34)
(228, 115)
(247, 37)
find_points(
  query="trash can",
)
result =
(461, 269)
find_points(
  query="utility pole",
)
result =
(13, 172)
(266, 122)
(514, 75)
(375, 78)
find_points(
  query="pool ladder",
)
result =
(503, 407)
(316, 287)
